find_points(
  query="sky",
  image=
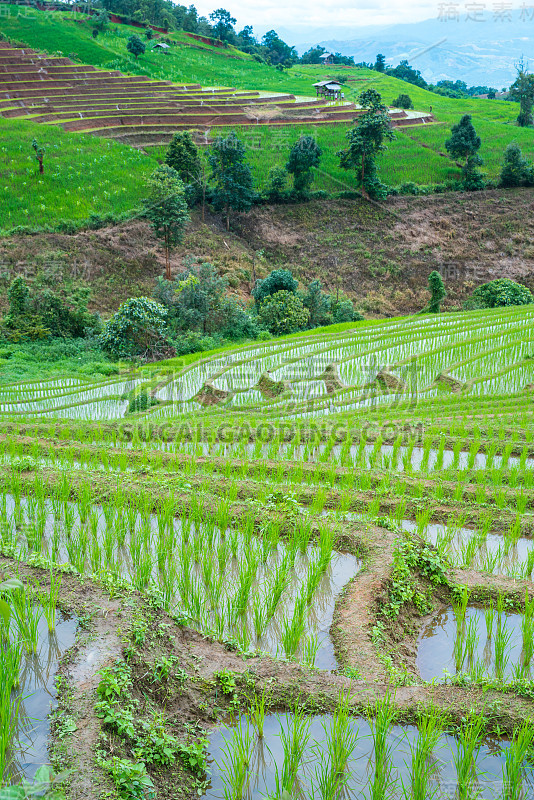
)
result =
(301, 15)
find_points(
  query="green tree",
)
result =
(277, 51)
(522, 90)
(305, 155)
(138, 328)
(500, 292)
(223, 24)
(380, 63)
(275, 191)
(437, 291)
(18, 296)
(402, 101)
(407, 73)
(39, 155)
(516, 170)
(183, 156)
(465, 144)
(166, 209)
(136, 46)
(231, 175)
(318, 304)
(197, 301)
(278, 280)
(100, 22)
(366, 141)
(283, 312)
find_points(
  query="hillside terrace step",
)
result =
(39, 75)
(42, 90)
(23, 108)
(50, 69)
(135, 91)
(112, 113)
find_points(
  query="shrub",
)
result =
(278, 280)
(402, 101)
(304, 156)
(500, 292)
(516, 170)
(39, 314)
(99, 368)
(283, 312)
(194, 342)
(437, 290)
(343, 311)
(138, 328)
(276, 189)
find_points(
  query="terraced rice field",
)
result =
(136, 110)
(307, 566)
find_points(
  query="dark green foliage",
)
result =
(380, 63)
(231, 175)
(18, 296)
(275, 191)
(325, 309)
(276, 51)
(522, 90)
(138, 328)
(223, 24)
(403, 101)
(183, 156)
(194, 342)
(437, 290)
(407, 73)
(343, 311)
(136, 46)
(465, 144)
(366, 141)
(283, 312)
(501, 292)
(278, 280)
(202, 306)
(305, 155)
(318, 304)
(41, 313)
(100, 21)
(166, 208)
(516, 170)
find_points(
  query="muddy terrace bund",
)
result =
(136, 109)
(380, 532)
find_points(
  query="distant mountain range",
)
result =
(479, 52)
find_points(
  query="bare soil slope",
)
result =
(379, 254)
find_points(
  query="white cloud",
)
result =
(302, 14)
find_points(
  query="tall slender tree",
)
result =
(366, 141)
(233, 190)
(522, 90)
(166, 209)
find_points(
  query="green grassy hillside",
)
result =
(415, 155)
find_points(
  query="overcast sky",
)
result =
(302, 14)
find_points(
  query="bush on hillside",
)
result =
(283, 312)
(278, 280)
(402, 101)
(501, 292)
(137, 329)
(37, 314)
(516, 170)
